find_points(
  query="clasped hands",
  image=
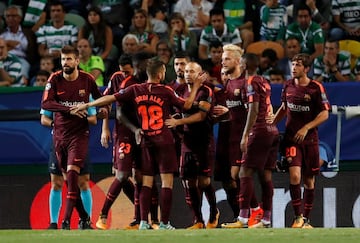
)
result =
(81, 111)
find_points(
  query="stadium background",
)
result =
(24, 146)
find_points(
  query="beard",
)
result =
(230, 70)
(68, 70)
(180, 75)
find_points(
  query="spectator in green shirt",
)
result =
(309, 33)
(90, 63)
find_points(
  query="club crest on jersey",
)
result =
(82, 92)
(48, 86)
(307, 97)
(237, 92)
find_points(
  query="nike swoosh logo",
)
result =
(60, 92)
(77, 160)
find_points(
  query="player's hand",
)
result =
(103, 113)
(311, 4)
(105, 138)
(79, 113)
(269, 118)
(220, 110)
(171, 122)
(301, 134)
(80, 107)
(202, 77)
(138, 135)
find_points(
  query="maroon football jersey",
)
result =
(61, 94)
(303, 104)
(199, 133)
(235, 93)
(153, 104)
(259, 90)
(117, 82)
(173, 84)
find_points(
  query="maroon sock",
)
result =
(309, 195)
(267, 195)
(295, 193)
(195, 204)
(246, 191)
(112, 194)
(165, 204)
(238, 193)
(72, 193)
(137, 202)
(210, 196)
(253, 201)
(154, 208)
(145, 201)
(129, 189)
(232, 198)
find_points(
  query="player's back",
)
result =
(259, 90)
(117, 82)
(154, 103)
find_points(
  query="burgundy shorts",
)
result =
(222, 162)
(198, 162)
(158, 159)
(262, 151)
(126, 154)
(72, 151)
(304, 155)
(235, 154)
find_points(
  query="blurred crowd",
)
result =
(34, 31)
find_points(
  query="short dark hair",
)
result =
(67, 49)
(276, 71)
(182, 54)
(270, 53)
(215, 44)
(304, 58)
(42, 72)
(303, 6)
(333, 40)
(293, 38)
(125, 59)
(56, 3)
(217, 11)
(153, 67)
(251, 59)
(164, 42)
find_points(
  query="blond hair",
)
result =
(237, 50)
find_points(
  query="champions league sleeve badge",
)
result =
(48, 86)
(250, 89)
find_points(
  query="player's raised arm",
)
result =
(105, 100)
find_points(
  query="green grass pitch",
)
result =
(318, 235)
